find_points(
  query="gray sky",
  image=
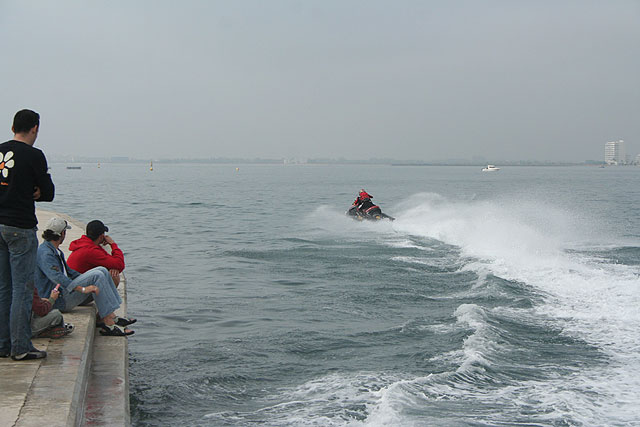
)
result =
(423, 80)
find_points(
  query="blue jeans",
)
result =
(18, 248)
(108, 300)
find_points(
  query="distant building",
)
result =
(295, 161)
(637, 162)
(119, 159)
(614, 153)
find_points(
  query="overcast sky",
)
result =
(422, 80)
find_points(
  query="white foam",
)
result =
(525, 241)
(408, 244)
(432, 262)
(333, 222)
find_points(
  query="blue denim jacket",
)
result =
(49, 271)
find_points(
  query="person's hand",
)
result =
(115, 276)
(108, 240)
(36, 193)
(92, 289)
(55, 294)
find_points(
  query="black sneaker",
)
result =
(34, 354)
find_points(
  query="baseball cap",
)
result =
(95, 228)
(57, 225)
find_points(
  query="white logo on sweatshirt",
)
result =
(6, 163)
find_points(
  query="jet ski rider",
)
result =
(363, 201)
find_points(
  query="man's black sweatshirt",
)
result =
(22, 169)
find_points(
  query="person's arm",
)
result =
(54, 296)
(115, 261)
(87, 289)
(115, 276)
(74, 275)
(40, 306)
(45, 190)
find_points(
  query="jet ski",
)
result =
(370, 213)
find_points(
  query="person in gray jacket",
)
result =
(77, 288)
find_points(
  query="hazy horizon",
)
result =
(423, 80)
(69, 159)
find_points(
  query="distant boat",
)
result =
(490, 168)
(74, 167)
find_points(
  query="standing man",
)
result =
(88, 251)
(23, 180)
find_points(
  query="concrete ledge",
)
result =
(107, 402)
(82, 370)
(56, 395)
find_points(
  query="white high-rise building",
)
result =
(614, 153)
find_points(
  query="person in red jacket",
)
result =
(87, 252)
(363, 199)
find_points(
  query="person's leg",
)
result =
(5, 298)
(73, 299)
(111, 286)
(108, 300)
(22, 245)
(109, 325)
(39, 324)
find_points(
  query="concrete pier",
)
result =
(84, 380)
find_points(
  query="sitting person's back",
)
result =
(87, 252)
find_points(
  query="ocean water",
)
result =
(508, 298)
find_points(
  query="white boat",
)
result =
(490, 168)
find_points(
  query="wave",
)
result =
(591, 297)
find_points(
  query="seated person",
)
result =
(51, 268)
(87, 252)
(45, 321)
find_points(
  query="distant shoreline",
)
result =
(288, 162)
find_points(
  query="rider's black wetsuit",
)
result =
(364, 205)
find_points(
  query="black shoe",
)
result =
(125, 321)
(115, 331)
(34, 354)
(4, 354)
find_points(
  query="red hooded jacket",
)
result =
(85, 255)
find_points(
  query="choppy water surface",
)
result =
(494, 298)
